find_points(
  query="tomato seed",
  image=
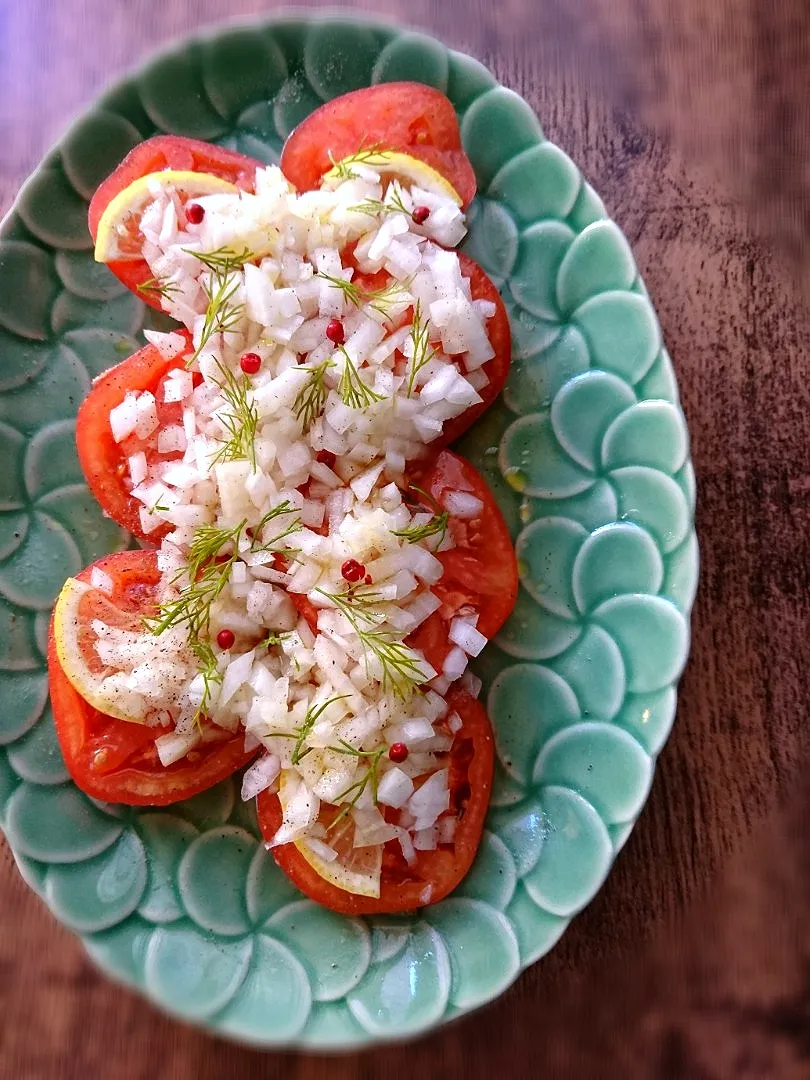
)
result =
(327, 458)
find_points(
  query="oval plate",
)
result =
(587, 455)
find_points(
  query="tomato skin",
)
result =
(155, 155)
(83, 731)
(406, 116)
(497, 368)
(436, 873)
(481, 571)
(102, 459)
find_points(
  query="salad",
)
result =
(316, 566)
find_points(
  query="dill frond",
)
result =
(353, 391)
(310, 400)
(423, 351)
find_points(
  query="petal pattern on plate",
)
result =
(54, 211)
(52, 393)
(653, 638)
(583, 410)
(211, 878)
(534, 380)
(165, 838)
(267, 888)
(102, 891)
(546, 552)
(12, 486)
(681, 580)
(94, 146)
(540, 254)
(477, 974)
(174, 97)
(534, 463)
(542, 182)
(18, 650)
(75, 509)
(654, 500)
(592, 508)
(339, 56)
(660, 382)
(34, 574)
(493, 877)
(493, 238)
(57, 824)
(594, 651)
(294, 102)
(576, 854)
(29, 289)
(194, 975)
(530, 633)
(522, 829)
(503, 111)
(622, 332)
(650, 433)
(23, 696)
(536, 929)
(210, 808)
(50, 459)
(37, 756)
(241, 66)
(334, 950)
(649, 717)
(587, 209)
(599, 260)
(527, 703)
(600, 762)
(618, 558)
(274, 1000)
(414, 57)
(121, 950)
(408, 992)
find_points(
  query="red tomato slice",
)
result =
(155, 155)
(103, 460)
(111, 759)
(410, 117)
(435, 873)
(480, 571)
(496, 369)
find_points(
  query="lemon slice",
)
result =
(118, 236)
(78, 606)
(408, 170)
(355, 870)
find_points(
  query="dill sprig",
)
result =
(391, 204)
(221, 313)
(302, 733)
(439, 523)
(271, 639)
(416, 533)
(353, 793)
(401, 671)
(310, 400)
(241, 423)
(353, 391)
(211, 676)
(368, 155)
(223, 260)
(379, 300)
(212, 553)
(165, 288)
(423, 351)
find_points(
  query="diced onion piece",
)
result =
(260, 775)
(173, 747)
(395, 788)
(100, 580)
(463, 505)
(463, 634)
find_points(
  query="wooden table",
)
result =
(694, 960)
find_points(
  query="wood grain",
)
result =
(694, 960)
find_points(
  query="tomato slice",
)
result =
(103, 460)
(116, 761)
(155, 155)
(497, 368)
(409, 117)
(434, 874)
(480, 571)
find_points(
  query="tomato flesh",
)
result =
(103, 460)
(433, 874)
(112, 759)
(155, 155)
(408, 117)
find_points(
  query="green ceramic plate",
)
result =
(587, 455)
